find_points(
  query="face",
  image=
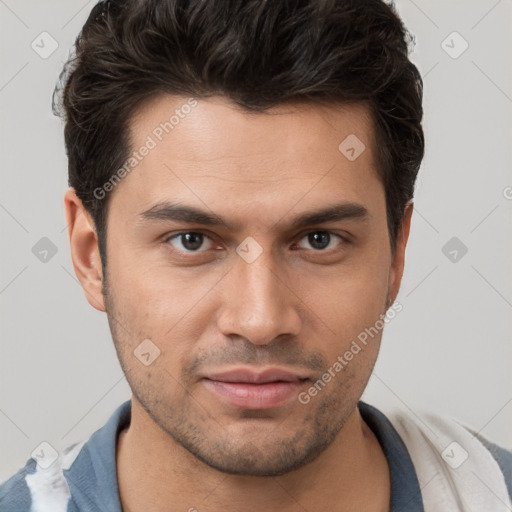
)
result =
(252, 253)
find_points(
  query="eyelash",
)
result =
(343, 240)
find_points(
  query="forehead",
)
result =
(214, 152)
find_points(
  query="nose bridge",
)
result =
(258, 304)
(262, 290)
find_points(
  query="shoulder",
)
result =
(14, 492)
(502, 455)
(460, 448)
(39, 485)
(82, 477)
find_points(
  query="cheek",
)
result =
(170, 306)
(146, 285)
(348, 298)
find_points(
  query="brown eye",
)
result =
(188, 241)
(321, 240)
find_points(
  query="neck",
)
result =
(155, 473)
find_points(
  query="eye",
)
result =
(321, 240)
(190, 241)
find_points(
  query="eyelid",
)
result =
(167, 238)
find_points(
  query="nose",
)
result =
(258, 302)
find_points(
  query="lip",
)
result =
(249, 389)
(256, 377)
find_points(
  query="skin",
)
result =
(297, 306)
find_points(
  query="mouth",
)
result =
(248, 389)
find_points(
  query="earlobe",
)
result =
(85, 253)
(398, 262)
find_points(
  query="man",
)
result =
(241, 181)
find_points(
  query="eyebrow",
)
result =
(169, 211)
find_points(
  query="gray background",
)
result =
(449, 349)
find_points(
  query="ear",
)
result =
(85, 253)
(397, 264)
